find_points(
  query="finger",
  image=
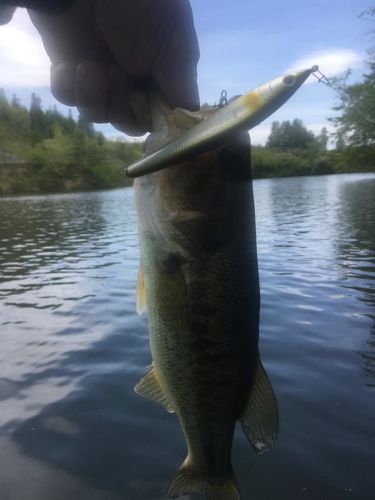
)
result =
(63, 78)
(128, 108)
(88, 88)
(178, 85)
(155, 40)
(140, 106)
(73, 35)
(175, 67)
(91, 91)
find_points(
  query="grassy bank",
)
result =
(270, 162)
(53, 165)
(56, 166)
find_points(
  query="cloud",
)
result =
(259, 135)
(23, 61)
(331, 62)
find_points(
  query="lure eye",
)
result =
(289, 80)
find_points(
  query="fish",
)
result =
(198, 281)
(242, 113)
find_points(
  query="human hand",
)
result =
(108, 54)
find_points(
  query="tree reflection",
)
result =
(355, 246)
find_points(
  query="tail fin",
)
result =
(188, 481)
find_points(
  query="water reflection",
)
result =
(101, 428)
(44, 294)
(355, 245)
(319, 319)
(72, 350)
(368, 358)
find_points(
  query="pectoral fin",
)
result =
(260, 419)
(149, 387)
(141, 291)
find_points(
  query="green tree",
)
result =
(4, 117)
(290, 135)
(322, 139)
(15, 101)
(355, 121)
(85, 126)
(14, 126)
(37, 119)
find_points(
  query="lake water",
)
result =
(72, 348)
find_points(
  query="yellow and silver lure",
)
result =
(243, 113)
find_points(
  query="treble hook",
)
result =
(320, 76)
(223, 101)
(323, 79)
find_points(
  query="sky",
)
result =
(242, 43)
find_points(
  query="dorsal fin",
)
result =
(149, 387)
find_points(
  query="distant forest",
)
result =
(292, 149)
(44, 151)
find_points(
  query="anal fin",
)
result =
(149, 387)
(260, 419)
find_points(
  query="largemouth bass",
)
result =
(199, 282)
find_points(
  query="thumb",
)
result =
(178, 84)
(174, 68)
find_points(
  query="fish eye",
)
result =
(289, 80)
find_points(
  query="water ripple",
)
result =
(73, 347)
